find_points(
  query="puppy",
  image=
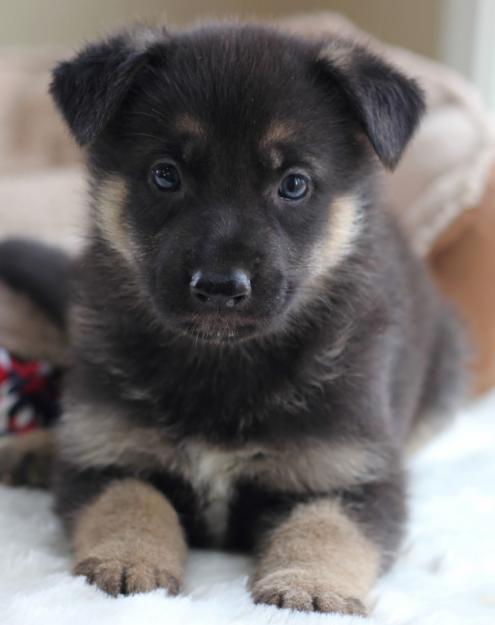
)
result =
(253, 343)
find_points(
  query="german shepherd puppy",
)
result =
(253, 343)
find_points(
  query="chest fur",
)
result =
(213, 475)
(305, 465)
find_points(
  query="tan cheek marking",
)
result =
(318, 559)
(342, 230)
(110, 198)
(129, 539)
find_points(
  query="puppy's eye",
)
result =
(166, 177)
(293, 187)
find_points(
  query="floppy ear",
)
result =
(387, 104)
(89, 88)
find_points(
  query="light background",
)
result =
(411, 23)
(460, 33)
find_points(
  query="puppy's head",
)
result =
(228, 163)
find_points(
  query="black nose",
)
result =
(218, 289)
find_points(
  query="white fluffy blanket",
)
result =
(445, 576)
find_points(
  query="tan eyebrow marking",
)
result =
(272, 157)
(193, 133)
(277, 132)
(190, 125)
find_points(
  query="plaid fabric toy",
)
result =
(29, 394)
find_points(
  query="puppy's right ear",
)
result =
(89, 88)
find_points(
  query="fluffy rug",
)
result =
(445, 576)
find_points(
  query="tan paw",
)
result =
(126, 577)
(297, 590)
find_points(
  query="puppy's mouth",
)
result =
(215, 329)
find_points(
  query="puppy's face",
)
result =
(228, 165)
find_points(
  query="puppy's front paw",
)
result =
(298, 590)
(116, 576)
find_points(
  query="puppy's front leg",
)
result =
(129, 540)
(318, 559)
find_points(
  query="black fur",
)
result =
(388, 105)
(88, 98)
(352, 356)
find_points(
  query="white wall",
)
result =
(467, 42)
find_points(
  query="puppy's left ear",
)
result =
(387, 104)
